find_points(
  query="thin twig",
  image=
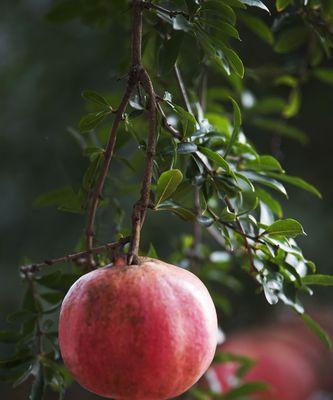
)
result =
(25, 269)
(133, 79)
(141, 206)
(245, 236)
(167, 126)
(182, 89)
(39, 331)
(171, 13)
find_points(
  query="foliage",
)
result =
(207, 170)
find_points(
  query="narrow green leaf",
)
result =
(9, 336)
(294, 180)
(52, 297)
(257, 26)
(286, 227)
(267, 181)
(318, 279)
(38, 386)
(294, 104)
(95, 97)
(282, 4)
(216, 158)
(256, 3)
(264, 163)
(244, 390)
(281, 128)
(90, 121)
(234, 60)
(169, 53)
(167, 184)
(273, 204)
(180, 23)
(237, 125)
(291, 39)
(152, 251)
(186, 148)
(182, 212)
(324, 74)
(317, 329)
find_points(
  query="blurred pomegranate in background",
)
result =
(288, 357)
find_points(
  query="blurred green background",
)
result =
(43, 69)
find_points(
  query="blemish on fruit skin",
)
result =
(131, 323)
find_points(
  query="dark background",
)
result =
(43, 69)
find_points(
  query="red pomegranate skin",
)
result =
(139, 332)
(285, 369)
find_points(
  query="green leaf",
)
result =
(265, 180)
(317, 329)
(286, 227)
(219, 10)
(187, 148)
(9, 336)
(227, 216)
(180, 23)
(95, 98)
(291, 39)
(187, 120)
(169, 53)
(52, 297)
(167, 184)
(234, 61)
(245, 363)
(205, 221)
(282, 4)
(38, 386)
(318, 279)
(324, 74)
(294, 180)
(221, 27)
(180, 211)
(24, 376)
(264, 163)
(216, 158)
(257, 26)
(273, 204)
(54, 197)
(244, 390)
(256, 3)
(292, 108)
(58, 281)
(237, 125)
(15, 361)
(281, 128)
(90, 121)
(152, 251)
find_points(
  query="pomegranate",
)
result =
(139, 332)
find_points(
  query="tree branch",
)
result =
(26, 269)
(133, 79)
(141, 206)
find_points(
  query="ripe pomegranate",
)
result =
(139, 332)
